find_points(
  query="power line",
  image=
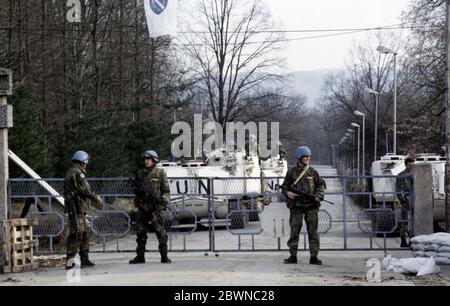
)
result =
(394, 26)
(384, 28)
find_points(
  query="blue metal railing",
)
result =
(343, 187)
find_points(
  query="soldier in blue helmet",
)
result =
(402, 187)
(307, 179)
(152, 196)
(78, 196)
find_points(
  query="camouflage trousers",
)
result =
(311, 216)
(78, 240)
(142, 226)
(404, 215)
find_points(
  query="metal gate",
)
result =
(218, 215)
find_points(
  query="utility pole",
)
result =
(447, 132)
(395, 106)
(5, 123)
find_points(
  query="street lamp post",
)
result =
(387, 142)
(359, 114)
(355, 125)
(341, 151)
(332, 156)
(352, 132)
(348, 136)
(385, 50)
(377, 96)
(319, 155)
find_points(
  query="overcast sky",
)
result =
(330, 52)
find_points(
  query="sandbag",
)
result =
(438, 238)
(418, 247)
(443, 254)
(426, 247)
(386, 262)
(428, 268)
(404, 266)
(444, 249)
(442, 260)
(430, 254)
(408, 265)
(432, 247)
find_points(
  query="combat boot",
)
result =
(291, 260)
(315, 261)
(137, 260)
(86, 263)
(70, 264)
(166, 260)
(404, 244)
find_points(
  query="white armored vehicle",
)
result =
(240, 182)
(389, 165)
(394, 165)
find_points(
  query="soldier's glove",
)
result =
(98, 201)
(292, 195)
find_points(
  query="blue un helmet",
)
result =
(302, 151)
(81, 156)
(151, 154)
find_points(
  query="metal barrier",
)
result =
(179, 222)
(110, 223)
(244, 222)
(325, 223)
(377, 221)
(50, 224)
(238, 205)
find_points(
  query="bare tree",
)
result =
(233, 48)
(424, 76)
(345, 92)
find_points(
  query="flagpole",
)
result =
(447, 132)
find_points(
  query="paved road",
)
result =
(229, 269)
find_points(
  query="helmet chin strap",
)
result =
(82, 165)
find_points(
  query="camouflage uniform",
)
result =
(402, 185)
(156, 180)
(75, 183)
(302, 208)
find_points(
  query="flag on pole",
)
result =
(161, 17)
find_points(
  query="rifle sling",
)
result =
(300, 176)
